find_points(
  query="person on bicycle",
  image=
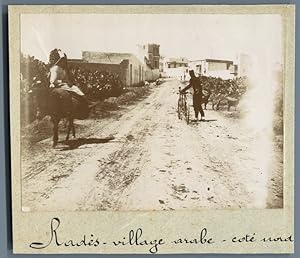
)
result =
(197, 95)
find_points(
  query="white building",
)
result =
(176, 68)
(218, 68)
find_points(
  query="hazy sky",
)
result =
(194, 36)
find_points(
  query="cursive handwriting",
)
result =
(134, 238)
(244, 239)
(278, 239)
(201, 240)
(54, 225)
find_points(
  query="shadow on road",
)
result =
(203, 121)
(74, 144)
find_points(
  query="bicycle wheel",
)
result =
(187, 115)
(179, 109)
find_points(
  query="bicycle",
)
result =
(183, 109)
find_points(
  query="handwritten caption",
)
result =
(135, 238)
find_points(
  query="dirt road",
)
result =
(145, 158)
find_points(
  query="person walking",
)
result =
(197, 95)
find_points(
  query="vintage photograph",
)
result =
(151, 112)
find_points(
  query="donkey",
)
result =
(232, 102)
(205, 98)
(217, 100)
(59, 103)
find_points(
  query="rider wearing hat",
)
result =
(197, 95)
(59, 72)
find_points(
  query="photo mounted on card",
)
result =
(152, 129)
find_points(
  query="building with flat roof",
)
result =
(176, 67)
(149, 54)
(131, 70)
(224, 69)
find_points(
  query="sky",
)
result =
(194, 36)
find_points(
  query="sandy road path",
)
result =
(156, 161)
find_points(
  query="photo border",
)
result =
(136, 217)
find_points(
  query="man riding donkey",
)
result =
(60, 78)
(60, 74)
(197, 95)
(61, 99)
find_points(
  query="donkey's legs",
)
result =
(70, 127)
(73, 129)
(55, 122)
(70, 119)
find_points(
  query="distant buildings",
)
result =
(219, 68)
(150, 54)
(224, 69)
(153, 55)
(179, 68)
(161, 65)
(175, 67)
(177, 62)
(132, 69)
(147, 64)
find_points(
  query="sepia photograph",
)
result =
(152, 129)
(146, 112)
